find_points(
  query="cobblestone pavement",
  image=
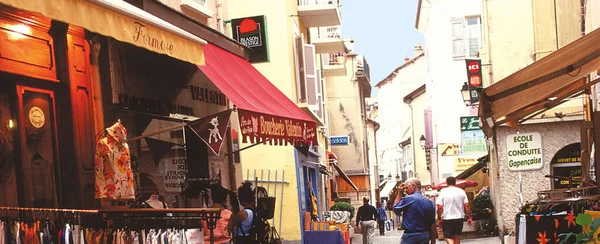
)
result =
(395, 236)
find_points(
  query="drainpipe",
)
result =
(412, 140)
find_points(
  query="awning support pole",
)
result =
(248, 147)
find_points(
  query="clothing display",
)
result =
(547, 229)
(220, 232)
(112, 162)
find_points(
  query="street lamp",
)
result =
(466, 94)
(423, 142)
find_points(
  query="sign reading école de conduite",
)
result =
(252, 33)
(524, 151)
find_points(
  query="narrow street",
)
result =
(395, 236)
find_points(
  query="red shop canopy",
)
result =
(264, 111)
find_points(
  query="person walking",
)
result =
(381, 218)
(419, 214)
(452, 204)
(366, 217)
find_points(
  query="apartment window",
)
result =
(466, 37)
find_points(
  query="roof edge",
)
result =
(414, 94)
(395, 72)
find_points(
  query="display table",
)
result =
(323, 237)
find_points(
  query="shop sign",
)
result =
(469, 123)
(141, 35)
(153, 106)
(340, 140)
(208, 95)
(175, 172)
(473, 78)
(567, 163)
(448, 149)
(461, 164)
(275, 130)
(252, 33)
(473, 142)
(524, 151)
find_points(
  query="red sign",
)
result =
(475, 80)
(473, 67)
(275, 130)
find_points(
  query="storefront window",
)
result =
(567, 163)
(39, 156)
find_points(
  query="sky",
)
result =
(383, 31)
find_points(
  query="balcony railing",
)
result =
(334, 59)
(317, 2)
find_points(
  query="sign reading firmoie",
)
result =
(524, 151)
(252, 33)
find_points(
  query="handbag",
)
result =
(275, 238)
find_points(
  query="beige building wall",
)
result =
(282, 31)
(346, 119)
(418, 106)
(513, 40)
(215, 11)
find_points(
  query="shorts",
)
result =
(452, 227)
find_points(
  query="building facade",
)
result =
(348, 119)
(396, 150)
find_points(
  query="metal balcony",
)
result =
(334, 64)
(327, 39)
(317, 13)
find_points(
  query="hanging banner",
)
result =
(524, 151)
(211, 129)
(158, 148)
(276, 130)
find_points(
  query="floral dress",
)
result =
(112, 163)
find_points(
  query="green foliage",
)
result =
(482, 206)
(343, 206)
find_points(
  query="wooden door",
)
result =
(39, 147)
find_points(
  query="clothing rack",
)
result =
(210, 215)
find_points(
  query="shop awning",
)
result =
(387, 189)
(265, 113)
(344, 176)
(122, 21)
(542, 85)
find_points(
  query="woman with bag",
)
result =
(242, 220)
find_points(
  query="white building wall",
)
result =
(395, 116)
(446, 77)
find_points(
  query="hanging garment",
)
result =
(546, 229)
(194, 236)
(112, 162)
(220, 232)
(2, 232)
(76, 232)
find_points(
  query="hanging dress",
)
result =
(112, 162)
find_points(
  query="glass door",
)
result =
(8, 125)
(39, 155)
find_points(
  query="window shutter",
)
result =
(474, 28)
(319, 109)
(301, 70)
(458, 37)
(310, 68)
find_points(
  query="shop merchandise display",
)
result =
(112, 163)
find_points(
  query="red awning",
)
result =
(264, 111)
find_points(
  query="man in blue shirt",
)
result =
(381, 218)
(419, 214)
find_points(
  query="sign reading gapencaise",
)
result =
(524, 151)
(275, 130)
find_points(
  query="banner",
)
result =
(158, 148)
(211, 129)
(276, 130)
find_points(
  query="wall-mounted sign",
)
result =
(252, 33)
(464, 163)
(473, 142)
(567, 163)
(474, 78)
(449, 149)
(469, 123)
(36, 117)
(524, 151)
(339, 140)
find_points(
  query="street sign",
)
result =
(474, 78)
(469, 123)
(339, 140)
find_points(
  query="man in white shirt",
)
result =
(452, 204)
